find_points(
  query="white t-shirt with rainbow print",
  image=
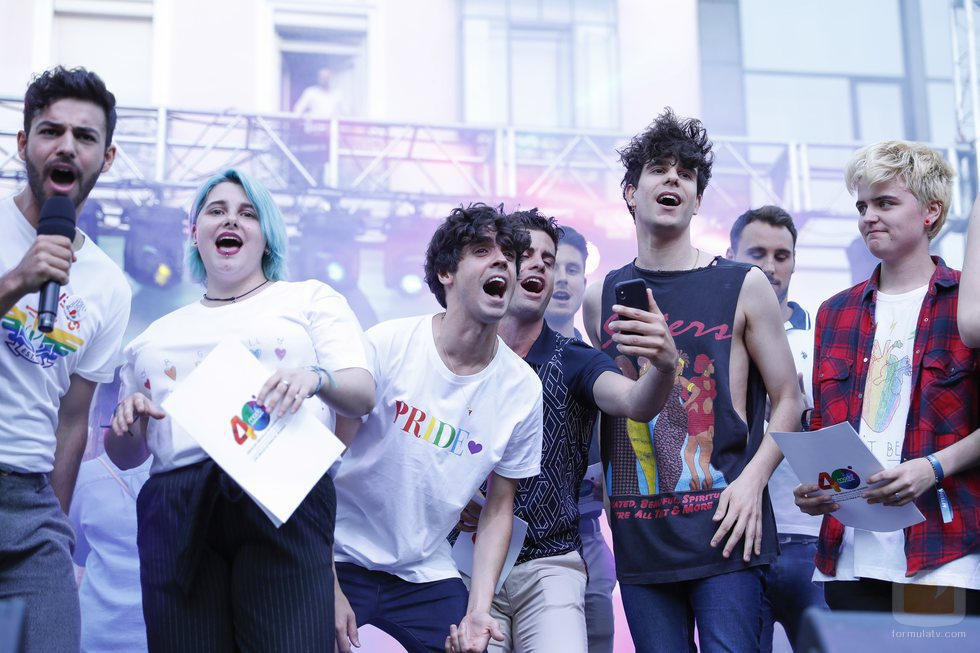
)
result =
(431, 441)
(36, 367)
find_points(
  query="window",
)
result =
(537, 63)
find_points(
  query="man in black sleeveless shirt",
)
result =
(688, 489)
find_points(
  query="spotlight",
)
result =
(405, 254)
(154, 252)
(327, 248)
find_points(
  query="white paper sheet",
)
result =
(837, 459)
(463, 548)
(276, 462)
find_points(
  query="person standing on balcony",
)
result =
(316, 105)
(320, 101)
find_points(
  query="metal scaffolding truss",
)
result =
(966, 88)
(963, 41)
(164, 153)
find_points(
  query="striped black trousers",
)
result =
(218, 576)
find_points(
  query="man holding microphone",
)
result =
(51, 370)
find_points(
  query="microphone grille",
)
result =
(57, 217)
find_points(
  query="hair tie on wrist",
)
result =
(320, 372)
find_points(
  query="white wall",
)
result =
(659, 60)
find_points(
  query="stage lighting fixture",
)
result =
(404, 252)
(327, 249)
(154, 252)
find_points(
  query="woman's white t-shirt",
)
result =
(287, 325)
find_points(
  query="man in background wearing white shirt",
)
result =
(767, 237)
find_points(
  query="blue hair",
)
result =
(270, 221)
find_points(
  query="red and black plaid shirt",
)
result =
(944, 408)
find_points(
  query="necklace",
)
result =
(236, 297)
(452, 368)
(697, 257)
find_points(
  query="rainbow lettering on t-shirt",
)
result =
(253, 418)
(839, 480)
(24, 339)
(433, 430)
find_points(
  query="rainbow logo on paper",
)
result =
(839, 480)
(253, 418)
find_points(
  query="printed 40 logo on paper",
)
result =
(839, 480)
(254, 417)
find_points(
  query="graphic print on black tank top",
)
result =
(664, 477)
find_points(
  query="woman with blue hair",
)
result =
(216, 574)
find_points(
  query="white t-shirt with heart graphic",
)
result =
(286, 325)
(431, 441)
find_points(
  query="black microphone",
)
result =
(57, 219)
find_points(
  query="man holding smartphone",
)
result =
(542, 603)
(688, 489)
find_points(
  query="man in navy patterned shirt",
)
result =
(541, 605)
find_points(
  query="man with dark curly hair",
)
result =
(455, 406)
(675, 526)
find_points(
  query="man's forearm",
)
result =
(765, 460)
(784, 417)
(969, 298)
(489, 552)
(67, 459)
(960, 456)
(649, 394)
(10, 293)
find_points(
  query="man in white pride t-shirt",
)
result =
(889, 360)
(49, 378)
(454, 406)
